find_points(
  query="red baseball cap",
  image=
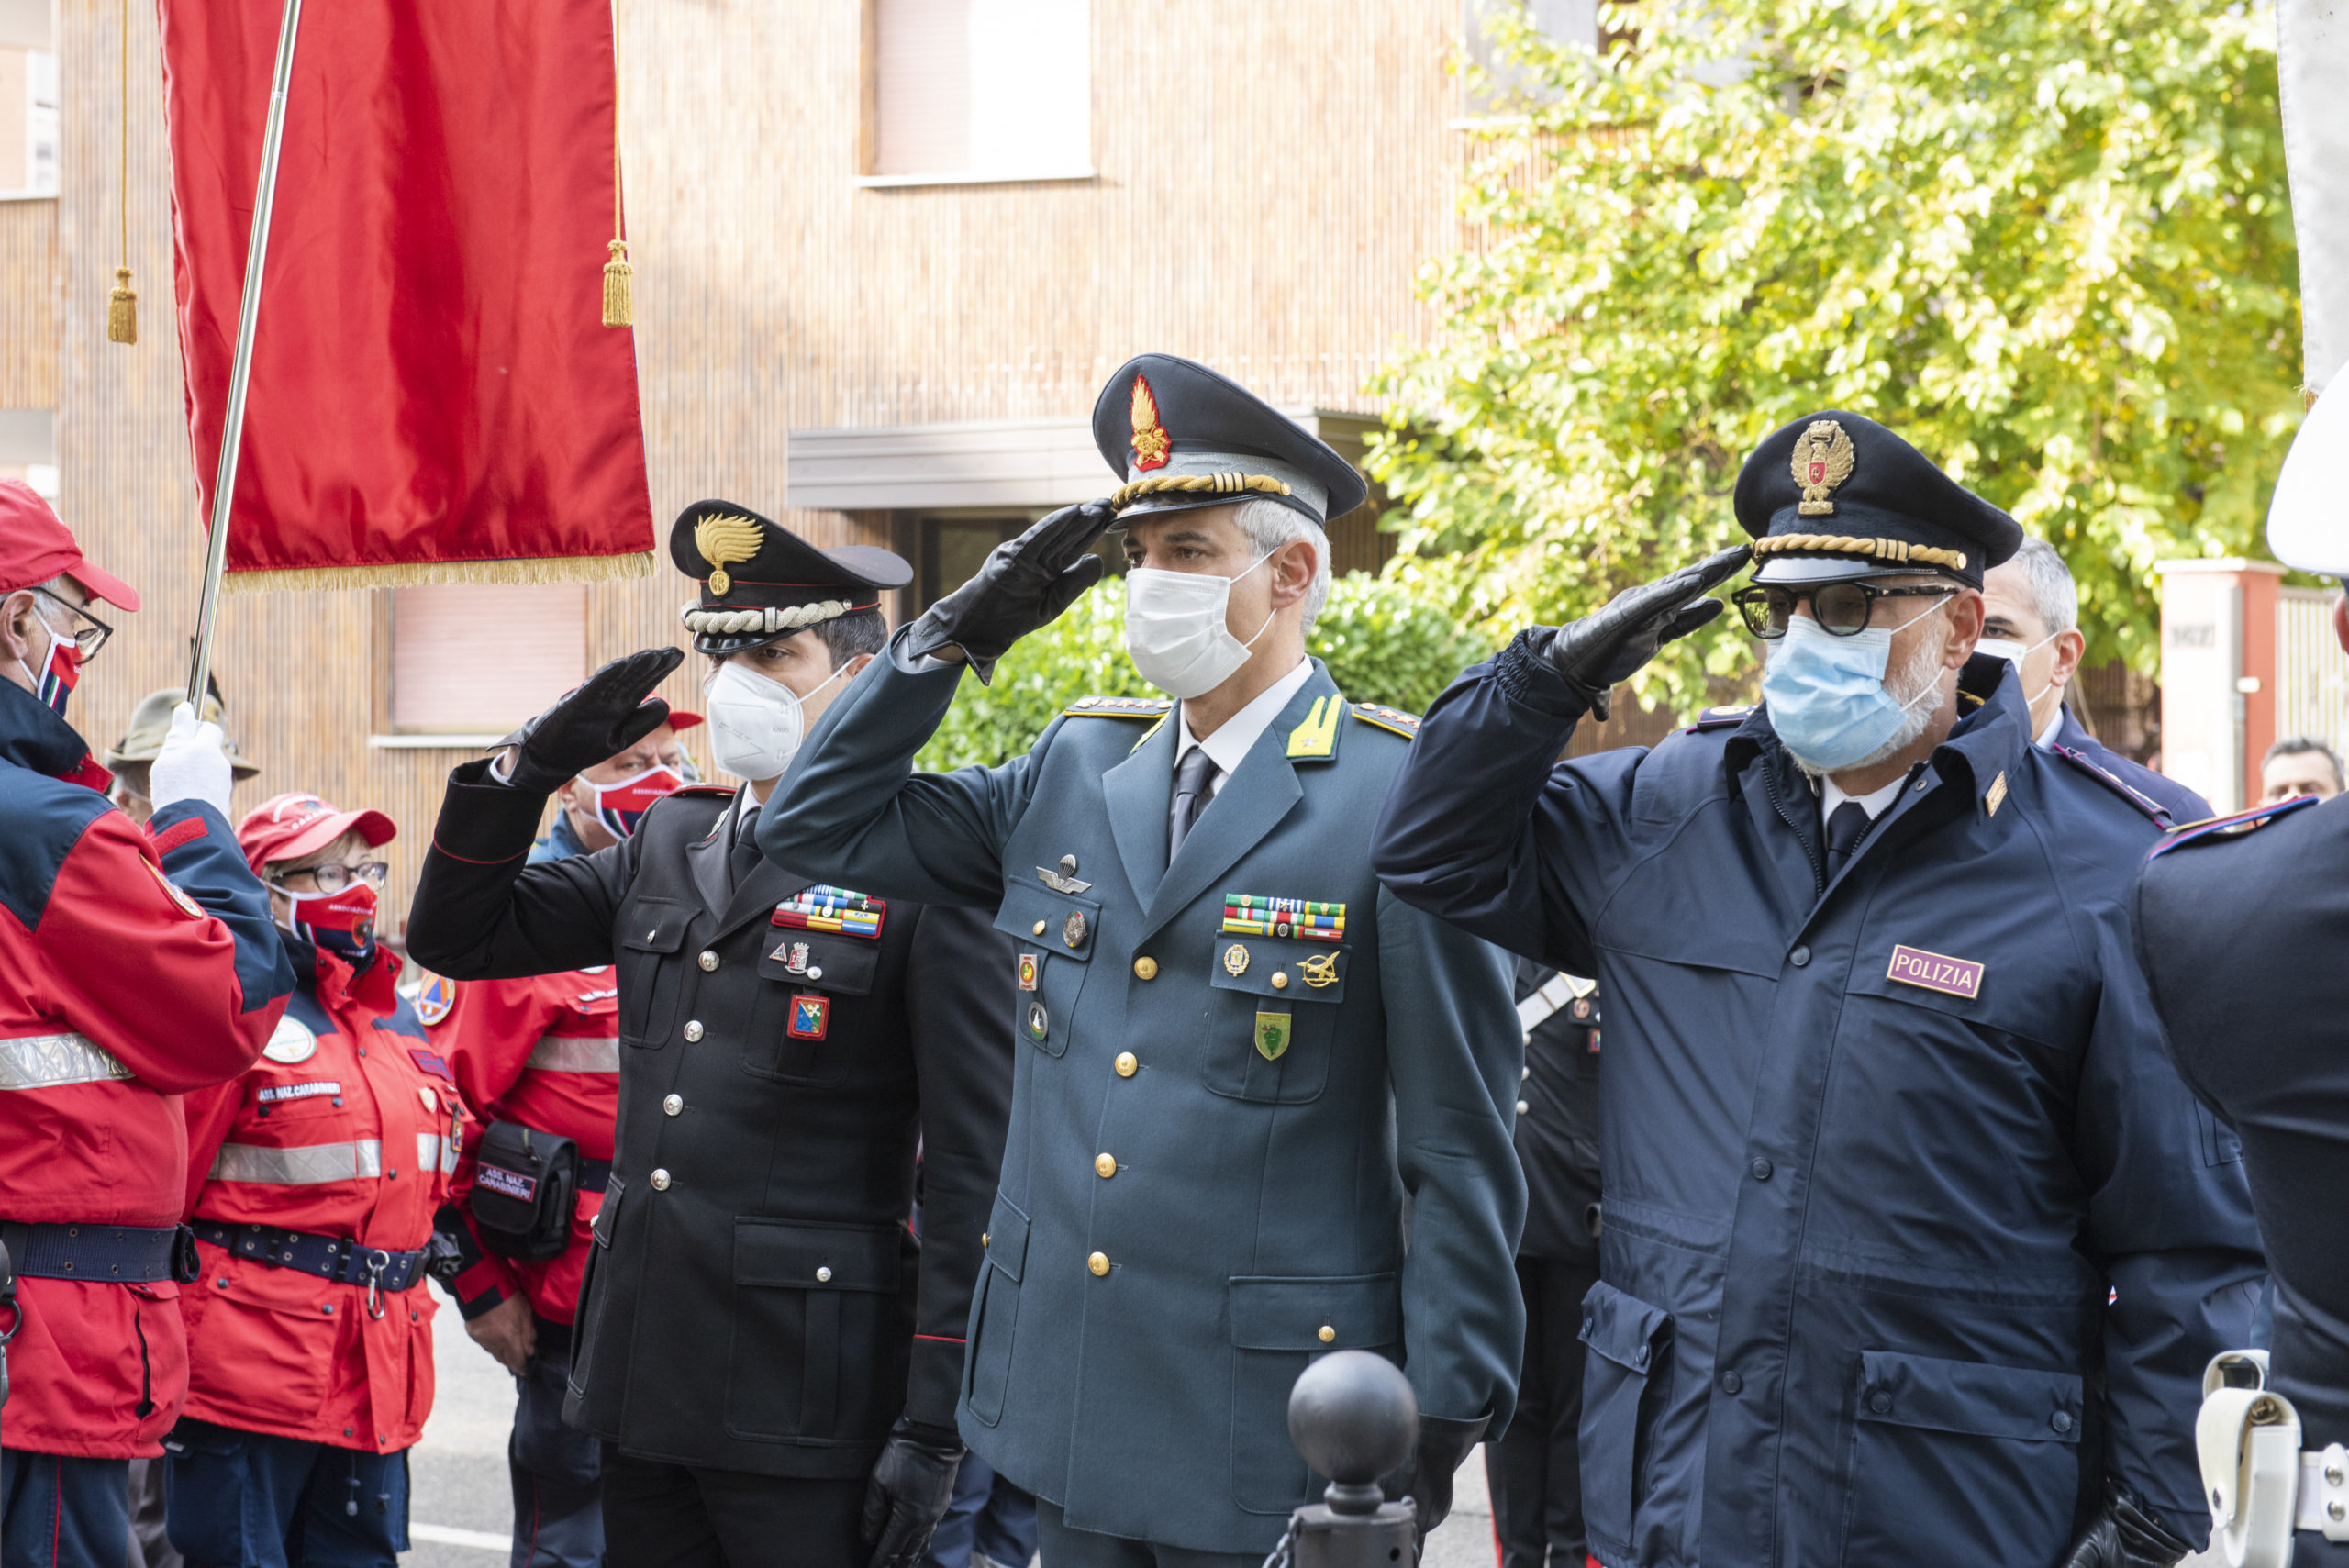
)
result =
(681, 720)
(287, 826)
(35, 546)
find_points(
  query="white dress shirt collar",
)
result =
(1229, 746)
(1831, 794)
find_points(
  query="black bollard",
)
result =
(1352, 1418)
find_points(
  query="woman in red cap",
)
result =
(313, 1181)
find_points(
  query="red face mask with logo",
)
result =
(620, 805)
(53, 683)
(343, 922)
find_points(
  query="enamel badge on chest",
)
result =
(291, 1042)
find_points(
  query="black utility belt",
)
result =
(337, 1259)
(107, 1254)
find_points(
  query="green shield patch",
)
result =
(1273, 1033)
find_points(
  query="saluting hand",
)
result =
(1599, 650)
(602, 717)
(1024, 585)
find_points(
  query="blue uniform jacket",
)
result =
(2182, 804)
(1876, 1151)
(1190, 1212)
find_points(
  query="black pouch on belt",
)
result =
(523, 1192)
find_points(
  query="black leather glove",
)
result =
(1025, 584)
(1426, 1477)
(604, 716)
(1600, 649)
(912, 1483)
(2125, 1535)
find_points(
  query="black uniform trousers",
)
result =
(1535, 1469)
(679, 1516)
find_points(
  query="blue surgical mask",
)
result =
(1825, 694)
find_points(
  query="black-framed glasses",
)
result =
(334, 876)
(87, 638)
(1842, 609)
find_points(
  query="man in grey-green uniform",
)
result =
(1242, 1060)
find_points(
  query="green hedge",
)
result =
(1382, 643)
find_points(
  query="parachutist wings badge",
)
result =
(1822, 461)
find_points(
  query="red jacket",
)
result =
(543, 1053)
(119, 991)
(349, 1126)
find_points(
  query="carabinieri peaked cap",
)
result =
(1836, 494)
(1186, 437)
(760, 581)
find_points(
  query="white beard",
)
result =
(1906, 685)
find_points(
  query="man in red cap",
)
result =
(538, 1061)
(134, 968)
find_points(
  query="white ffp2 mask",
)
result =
(755, 724)
(1176, 630)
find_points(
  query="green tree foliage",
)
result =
(2047, 240)
(1382, 641)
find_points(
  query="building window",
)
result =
(475, 660)
(976, 90)
(28, 125)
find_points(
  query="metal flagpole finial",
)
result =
(232, 429)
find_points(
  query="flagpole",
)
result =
(232, 431)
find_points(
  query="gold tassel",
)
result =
(539, 569)
(619, 287)
(122, 309)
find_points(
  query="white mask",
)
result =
(2015, 653)
(1176, 632)
(755, 724)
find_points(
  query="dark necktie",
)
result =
(1846, 825)
(1192, 776)
(745, 857)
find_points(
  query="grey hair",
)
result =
(2052, 592)
(1270, 524)
(2295, 745)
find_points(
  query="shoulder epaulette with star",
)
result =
(1721, 718)
(1118, 708)
(1390, 718)
(2235, 825)
(2113, 782)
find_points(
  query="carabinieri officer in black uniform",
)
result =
(768, 1355)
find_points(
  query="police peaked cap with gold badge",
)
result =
(1836, 494)
(1186, 437)
(760, 581)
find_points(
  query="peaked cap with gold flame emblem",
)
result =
(1836, 494)
(1184, 437)
(760, 581)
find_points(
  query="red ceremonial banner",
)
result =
(433, 397)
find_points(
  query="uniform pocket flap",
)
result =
(791, 1255)
(1058, 922)
(1969, 1398)
(1006, 1238)
(1290, 969)
(656, 925)
(821, 960)
(1349, 1312)
(1623, 1328)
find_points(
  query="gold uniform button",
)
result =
(1145, 968)
(1037, 929)
(1280, 979)
(709, 960)
(672, 1105)
(693, 1028)
(1329, 1334)
(1105, 1165)
(986, 1239)
(1099, 1264)
(1127, 1065)
(660, 1180)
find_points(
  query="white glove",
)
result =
(193, 764)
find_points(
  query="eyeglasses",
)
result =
(88, 638)
(1842, 609)
(333, 877)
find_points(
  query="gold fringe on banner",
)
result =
(122, 304)
(414, 575)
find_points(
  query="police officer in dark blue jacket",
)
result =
(1915, 1244)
